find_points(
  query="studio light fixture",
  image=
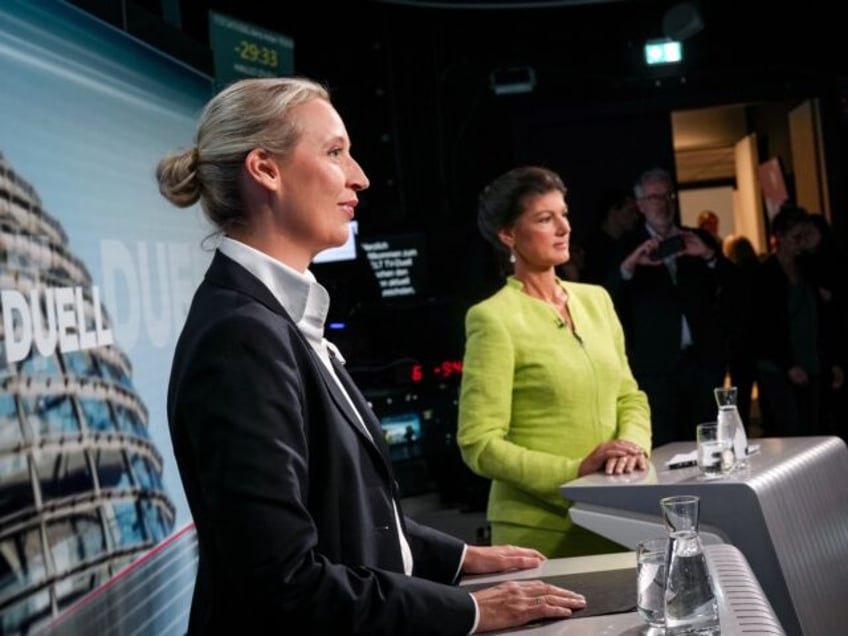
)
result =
(514, 80)
(682, 21)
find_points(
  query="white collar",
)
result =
(300, 294)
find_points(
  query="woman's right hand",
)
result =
(616, 456)
(515, 603)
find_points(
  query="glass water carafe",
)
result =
(730, 422)
(690, 601)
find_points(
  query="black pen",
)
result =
(692, 462)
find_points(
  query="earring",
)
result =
(512, 257)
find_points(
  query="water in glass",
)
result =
(690, 601)
(729, 419)
(650, 580)
(715, 450)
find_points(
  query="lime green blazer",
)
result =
(536, 398)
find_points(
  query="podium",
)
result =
(743, 607)
(787, 513)
(153, 595)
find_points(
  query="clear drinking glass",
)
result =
(650, 581)
(715, 450)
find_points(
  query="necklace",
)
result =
(557, 299)
(560, 298)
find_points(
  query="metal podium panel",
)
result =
(743, 607)
(787, 513)
(151, 597)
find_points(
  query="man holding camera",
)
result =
(666, 290)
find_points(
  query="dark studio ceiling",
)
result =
(730, 32)
(576, 47)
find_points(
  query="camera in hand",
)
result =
(668, 247)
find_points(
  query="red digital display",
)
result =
(443, 370)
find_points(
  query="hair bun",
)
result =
(177, 177)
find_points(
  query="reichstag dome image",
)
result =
(81, 494)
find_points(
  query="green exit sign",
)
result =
(241, 50)
(663, 52)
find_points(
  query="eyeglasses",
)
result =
(659, 198)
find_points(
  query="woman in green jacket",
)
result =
(547, 394)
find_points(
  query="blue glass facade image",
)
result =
(81, 493)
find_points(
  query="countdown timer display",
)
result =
(242, 50)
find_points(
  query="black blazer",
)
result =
(651, 307)
(291, 500)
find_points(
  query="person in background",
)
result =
(795, 333)
(708, 221)
(289, 481)
(619, 216)
(666, 289)
(738, 310)
(824, 262)
(546, 394)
